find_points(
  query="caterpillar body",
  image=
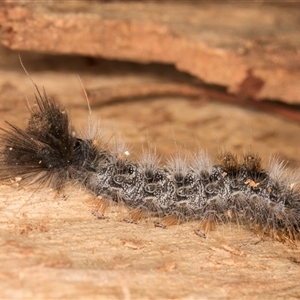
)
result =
(48, 151)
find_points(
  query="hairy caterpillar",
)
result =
(48, 151)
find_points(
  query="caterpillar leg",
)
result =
(286, 235)
(135, 215)
(101, 207)
(200, 233)
(206, 225)
(167, 221)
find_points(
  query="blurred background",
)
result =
(177, 74)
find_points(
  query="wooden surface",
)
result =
(252, 49)
(52, 247)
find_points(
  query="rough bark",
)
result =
(251, 49)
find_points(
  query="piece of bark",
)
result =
(112, 95)
(250, 49)
(107, 95)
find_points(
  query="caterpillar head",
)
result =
(48, 150)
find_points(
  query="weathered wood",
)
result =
(252, 49)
